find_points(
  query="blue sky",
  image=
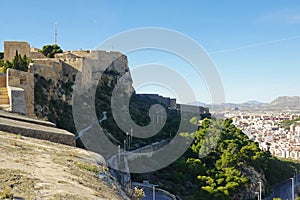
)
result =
(255, 45)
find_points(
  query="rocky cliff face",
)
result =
(53, 97)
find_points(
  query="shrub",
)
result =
(6, 193)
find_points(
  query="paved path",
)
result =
(82, 132)
(158, 195)
(284, 191)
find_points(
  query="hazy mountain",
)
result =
(280, 103)
(245, 105)
(254, 102)
(286, 102)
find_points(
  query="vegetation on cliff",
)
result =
(1, 59)
(53, 102)
(230, 170)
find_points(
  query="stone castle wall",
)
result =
(10, 48)
(23, 48)
(24, 80)
(69, 72)
(76, 63)
(50, 62)
(81, 53)
(48, 68)
(59, 72)
(71, 59)
(64, 67)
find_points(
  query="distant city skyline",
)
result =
(255, 45)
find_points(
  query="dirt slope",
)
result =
(36, 169)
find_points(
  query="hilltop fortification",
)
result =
(25, 90)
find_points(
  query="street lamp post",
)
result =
(293, 194)
(259, 190)
(127, 140)
(153, 194)
(124, 145)
(257, 193)
(119, 152)
(296, 177)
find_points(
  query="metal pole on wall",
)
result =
(257, 193)
(296, 177)
(259, 190)
(293, 193)
(153, 192)
(119, 152)
(153, 187)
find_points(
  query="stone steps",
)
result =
(4, 107)
(4, 99)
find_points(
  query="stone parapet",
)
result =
(23, 118)
(37, 131)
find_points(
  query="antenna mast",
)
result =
(55, 33)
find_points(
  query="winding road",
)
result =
(82, 132)
(284, 190)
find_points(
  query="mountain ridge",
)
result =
(280, 102)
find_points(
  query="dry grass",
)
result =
(36, 169)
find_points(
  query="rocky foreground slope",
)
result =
(37, 169)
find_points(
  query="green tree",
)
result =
(19, 62)
(1, 59)
(1, 62)
(50, 50)
(226, 171)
